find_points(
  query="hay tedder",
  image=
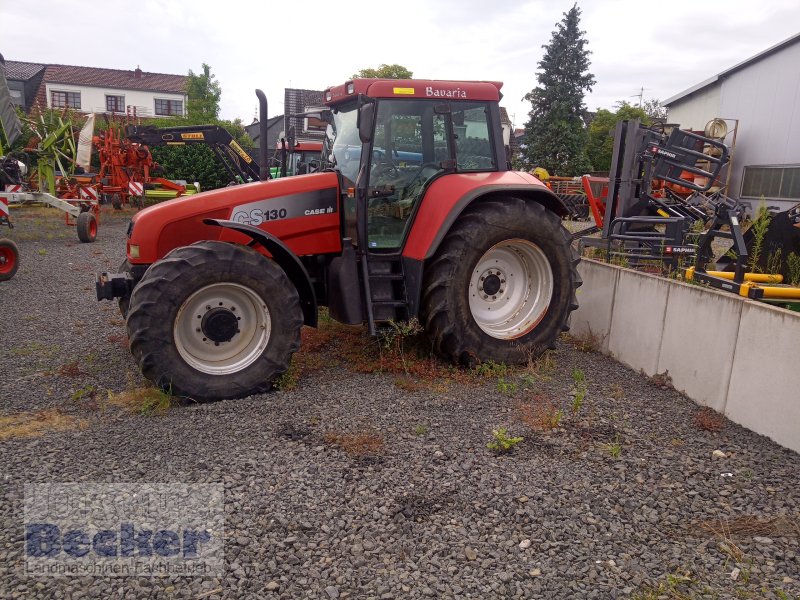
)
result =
(415, 214)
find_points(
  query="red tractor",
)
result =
(414, 214)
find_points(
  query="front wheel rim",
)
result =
(222, 328)
(510, 289)
(8, 259)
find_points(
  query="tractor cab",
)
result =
(390, 140)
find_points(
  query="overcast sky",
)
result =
(663, 47)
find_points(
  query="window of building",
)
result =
(16, 97)
(473, 139)
(312, 123)
(778, 182)
(169, 107)
(65, 99)
(115, 104)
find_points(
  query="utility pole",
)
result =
(640, 95)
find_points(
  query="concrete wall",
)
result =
(734, 355)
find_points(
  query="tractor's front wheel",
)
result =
(9, 259)
(214, 320)
(502, 284)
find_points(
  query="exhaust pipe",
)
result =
(262, 133)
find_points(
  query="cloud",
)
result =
(250, 44)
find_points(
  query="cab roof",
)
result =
(414, 88)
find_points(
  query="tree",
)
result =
(600, 143)
(385, 72)
(204, 93)
(654, 109)
(555, 135)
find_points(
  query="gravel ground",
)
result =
(624, 498)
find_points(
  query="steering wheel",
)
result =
(418, 175)
(382, 168)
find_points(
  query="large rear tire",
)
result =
(214, 320)
(502, 284)
(9, 259)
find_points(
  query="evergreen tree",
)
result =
(555, 135)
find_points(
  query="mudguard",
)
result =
(287, 260)
(450, 195)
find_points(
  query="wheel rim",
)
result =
(92, 227)
(222, 328)
(7, 260)
(510, 289)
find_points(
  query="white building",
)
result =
(91, 89)
(763, 95)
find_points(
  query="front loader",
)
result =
(415, 213)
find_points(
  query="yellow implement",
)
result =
(754, 277)
(749, 288)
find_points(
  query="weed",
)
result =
(395, 336)
(119, 339)
(409, 385)
(288, 379)
(507, 388)
(616, 391)
(502, 443)
(577, 401)
(578, 377)
(491, 369)
(144, 401)
(42, 252)
(793, 266)
(587, 341)
(614, 448)
(663, 380)
(759, 228)
(541, 414)
(356, 444)
(421, 429)
(774, 261)
(33, 424)
(708, 419)
(34, 348)
(540, 368)
(528, 381)
(676, 586)
(70, 369)
(86, 392)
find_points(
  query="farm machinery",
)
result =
(56, 153)
(664, 204)
(408, 218)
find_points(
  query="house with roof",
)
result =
(759, 99)
(93, 89)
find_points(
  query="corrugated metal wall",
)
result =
(765, 98)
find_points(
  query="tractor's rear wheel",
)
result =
(214, 320)
(9, 259)
(87, 227)
(501, 285)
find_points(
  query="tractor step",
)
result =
(387, 297)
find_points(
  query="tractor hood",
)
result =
(294, 209)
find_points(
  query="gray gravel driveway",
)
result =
(356, 483)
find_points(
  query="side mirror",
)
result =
(366, 120)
